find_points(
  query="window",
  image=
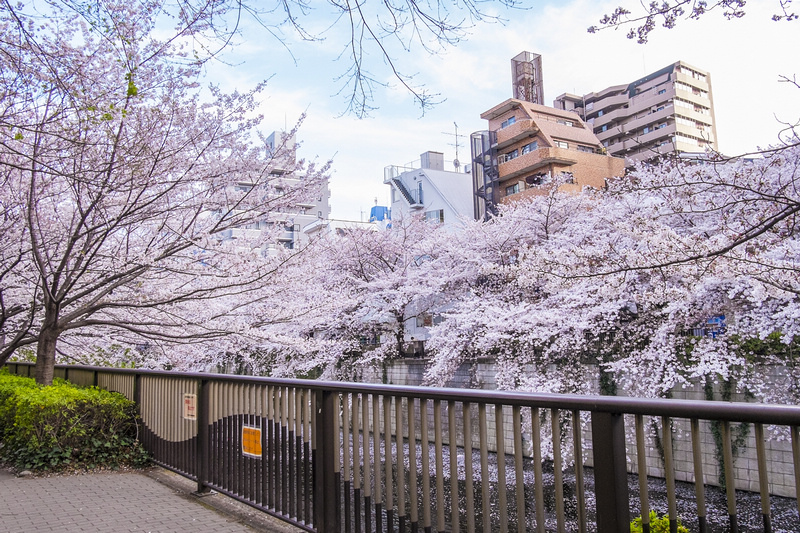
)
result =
(600, 113)
(660, 108)
(562, 144)
(587, 149)
(437, 215)
(512, 189)
(513, 154)
(565, 122)
(662, 91)
(679, 137)
(538, 179)
(646, 130)
(530, 147)
(372, 340)
(604, 128)
(509, 121)
(426, 320)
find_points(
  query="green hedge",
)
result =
(63, 426)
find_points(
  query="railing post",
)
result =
(610, 473)
(137, 391)
(326, 512)
(202, 437)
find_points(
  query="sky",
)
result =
(745, 57)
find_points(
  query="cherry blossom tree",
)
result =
(353, 295)
(569, 293)
(119, 186)
(627, 279)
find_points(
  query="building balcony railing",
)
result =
(536, 159)
(331, 457)
(393, 172)
(609, 101)
(522, 129)
(607, 118)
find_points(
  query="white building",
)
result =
(430, 190)
(440, 196)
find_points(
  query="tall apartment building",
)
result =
(668, 111)
(287, 226)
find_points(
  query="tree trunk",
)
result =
(46, 347)
(400, 333)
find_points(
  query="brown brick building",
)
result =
(528, 146)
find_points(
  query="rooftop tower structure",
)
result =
(526, 77)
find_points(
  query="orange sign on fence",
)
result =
(251, 441)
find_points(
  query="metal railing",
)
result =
(329, 456)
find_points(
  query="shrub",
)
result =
(64, 425)
(658, 524)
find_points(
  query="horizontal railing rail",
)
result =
(331, 456)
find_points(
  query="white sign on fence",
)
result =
(190, 406)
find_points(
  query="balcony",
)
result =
(522, 129)
(535, 160)
(689, 80)
(614, 101)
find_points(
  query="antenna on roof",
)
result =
(456, 162)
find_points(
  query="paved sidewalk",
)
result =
(156, 500)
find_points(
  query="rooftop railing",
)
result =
(329, 456)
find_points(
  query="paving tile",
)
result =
(103, 502)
